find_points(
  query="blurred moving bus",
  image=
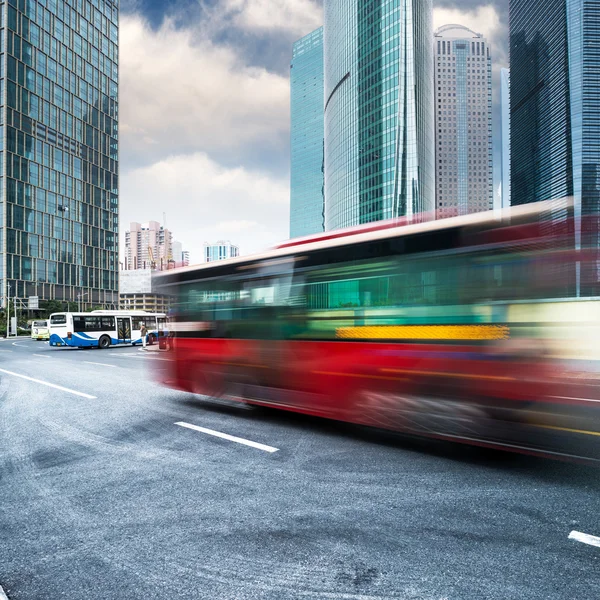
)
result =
(467, 328)
(39, 330)
(104, 328)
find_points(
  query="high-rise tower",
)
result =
(505, 129)
(59, 169)
(379, 135)
(555, 112)
(463, 122)
(306, 190)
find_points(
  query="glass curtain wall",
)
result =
(555, 113)
(306, 81)
(379, 136)
(59, 160)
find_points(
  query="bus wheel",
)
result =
(151, 339)
(104, 342)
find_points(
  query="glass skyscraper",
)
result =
(306, 80)
(555, 110)
(379, 122)
(59, 155)
(463, 122)
(505, 126)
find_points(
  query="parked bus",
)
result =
(39, 330)
(103, 328)
(470, 328)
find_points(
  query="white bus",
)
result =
(105, 328)
(39, 330)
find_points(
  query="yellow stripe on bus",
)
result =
(424, 332)
(568, 430)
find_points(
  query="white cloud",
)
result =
(205, 201)
(483, 19)
(180, 93)
(298, 17)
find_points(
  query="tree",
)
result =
(52, 306)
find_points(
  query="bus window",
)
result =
(81, 323)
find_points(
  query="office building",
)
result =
(136, 292)
(181, 257)
(463, 122)
(220, 250)
(555, 112)
(148, 246)
(307, 132)
(379, 121)
(177, 252)
(59, 205)
(505, 133)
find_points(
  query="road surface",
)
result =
(115, 488)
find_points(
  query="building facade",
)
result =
(463, 122)
(136, 292)
(555, 111)
(379, 122)
(220, 250)
(181, 257)
(148, 246)
(307, 133)
(505, 133)
(59, 200)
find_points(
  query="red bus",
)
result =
(468, 329)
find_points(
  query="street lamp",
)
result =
(79, 297)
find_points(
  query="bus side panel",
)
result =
(325, 378)
(451, 391)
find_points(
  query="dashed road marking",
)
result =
(52, 385)
(42, 355)
(3, 596)
(88, 362)
(584, 538)
(226, 436)
(144, 357)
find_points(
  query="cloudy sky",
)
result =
(204, 110)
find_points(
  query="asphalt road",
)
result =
(103, 496)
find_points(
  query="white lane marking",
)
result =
(143, 357)
(42, 355)
(584, 538)
(231, 438)
(17, 344)
(88, 362)
(4, 350)
(3, 596)
(52, 385)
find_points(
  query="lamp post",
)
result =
(79, 297)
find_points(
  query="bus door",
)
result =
(124, 330)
